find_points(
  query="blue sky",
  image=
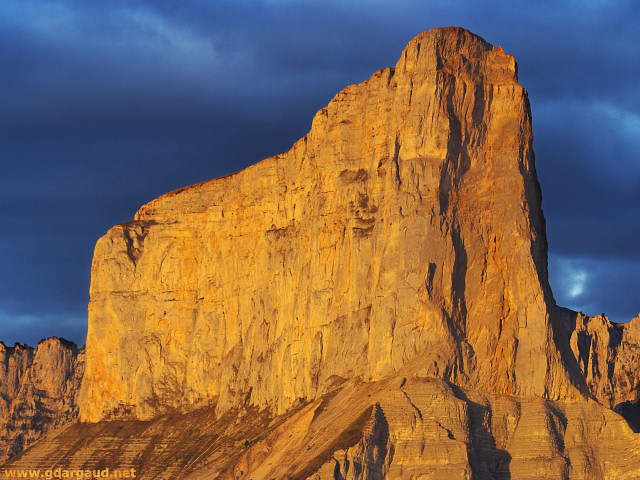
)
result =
(107, 104)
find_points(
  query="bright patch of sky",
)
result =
(594, 286)
(569, 280)
(577, 279)
(571, 277)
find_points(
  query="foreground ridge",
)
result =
(395, 428)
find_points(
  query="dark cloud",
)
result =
(588, 164)
(108, 104)
(587, 284)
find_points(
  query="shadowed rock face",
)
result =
(609, 357)
(405, 228)
(38, 389)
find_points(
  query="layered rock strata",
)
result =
(427, 428)
(406, 227)
(38, 389)
(397, 428)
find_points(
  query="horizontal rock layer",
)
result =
(405, 228)
(397, 428)
(427, 428)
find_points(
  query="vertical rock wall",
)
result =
(38, 389)
(404, 231)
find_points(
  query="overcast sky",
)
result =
(107, 104)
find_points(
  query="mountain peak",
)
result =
(405, 228)
(461, 53)
(380, 287)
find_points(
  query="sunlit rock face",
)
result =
(608, 354)
(371, 304)
(38, 389)
(404, 231)
(428, 429)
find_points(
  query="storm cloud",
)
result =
(105, 105)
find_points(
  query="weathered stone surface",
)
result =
(405, 227)
(167, 447)
(372, 304)
(609, 356)
(397, 428)
(38, 389)
(428, 429)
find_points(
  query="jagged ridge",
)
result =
(407, 221)
(38, 389)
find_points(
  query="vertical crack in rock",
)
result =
(396, 163)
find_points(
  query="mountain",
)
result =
(373, 303)
(408, 220)
(38, 390)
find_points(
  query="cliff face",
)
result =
(397, 428)
(608, 354)
(38, 389)
(404, 230)
(371, 304)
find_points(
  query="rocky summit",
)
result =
(373, 303)
(38, 390)
(405, 227)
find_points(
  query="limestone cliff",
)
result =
(38, 389)
(609, 356)
(371, 304)
(404, 229)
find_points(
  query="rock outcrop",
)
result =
(404, 229)
(427, 428)
(38, 389)
(609, 357)
(372, 304)
(397, 428)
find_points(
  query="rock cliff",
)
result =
(38, 389)
(371, 304)
(406, 227)
(609, 357)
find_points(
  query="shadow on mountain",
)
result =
(631, 413)
(485, 458)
